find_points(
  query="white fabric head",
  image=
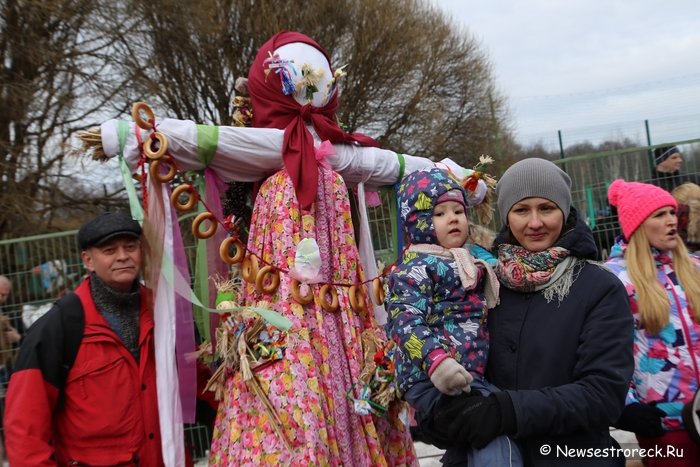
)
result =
(304, 54)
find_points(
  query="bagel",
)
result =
(201, 217)
(323, 301)
(378, 290)
(249, 268)
(357, 298)
(260, 280)
(191, 197)
(156, 174)
(294, 288)
(136, 115)
(162, 146)
(361, 274)
(224, 250)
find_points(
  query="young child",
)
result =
(437, 302)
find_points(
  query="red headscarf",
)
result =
(273, 109)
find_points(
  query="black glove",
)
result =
(475, 420)
(482, 421)
(441, 428)
(689, 419)
(425, 431)
(642, 419)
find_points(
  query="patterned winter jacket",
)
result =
(431, 316)
(666, 368)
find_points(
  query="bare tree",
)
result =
(55, 74)
(418, 83)
(414, 81)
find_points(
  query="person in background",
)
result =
(560, 338)
(5, 289)
(437, 304)
(605, 231)
(14, 329)
(667, 172)
(663, 285)
(688, 197)
(104, 411)
(10, 337)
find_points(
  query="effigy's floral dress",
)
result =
(323, 355)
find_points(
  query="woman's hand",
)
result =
(643, 419)
(474, 420)
(12, 335)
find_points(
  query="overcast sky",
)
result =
(568, 64)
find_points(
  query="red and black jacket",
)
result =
(109, 412)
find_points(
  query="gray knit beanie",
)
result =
(533, 178)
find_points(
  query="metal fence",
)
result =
(40, 266)
(198, 440)
(653, 131)
(592, 174)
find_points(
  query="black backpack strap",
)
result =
(73, 323)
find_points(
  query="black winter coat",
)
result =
(566, 366)
(672, 180)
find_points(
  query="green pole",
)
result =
(494, 123)
(561, 149)
(650, 152)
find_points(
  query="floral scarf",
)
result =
(525, 271)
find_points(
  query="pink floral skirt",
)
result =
(323, 357)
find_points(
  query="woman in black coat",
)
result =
(561, 337)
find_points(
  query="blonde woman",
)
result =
(663, 283)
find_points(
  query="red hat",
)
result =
(636, 201)
(274, 106)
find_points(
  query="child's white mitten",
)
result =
(451, 378)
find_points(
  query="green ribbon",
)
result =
(207, 140)
(134, 204)
(402, 166)
(169, 272)
(396, 242)
(201, 273)
(388, 194)
(277, 320)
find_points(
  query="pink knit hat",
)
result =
(636, 201)
(452, 195)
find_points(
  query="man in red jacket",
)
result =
(101, 410)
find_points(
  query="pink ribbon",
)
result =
(372, 199)
(324, 150)
(214, 187)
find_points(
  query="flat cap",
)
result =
(105, 227)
